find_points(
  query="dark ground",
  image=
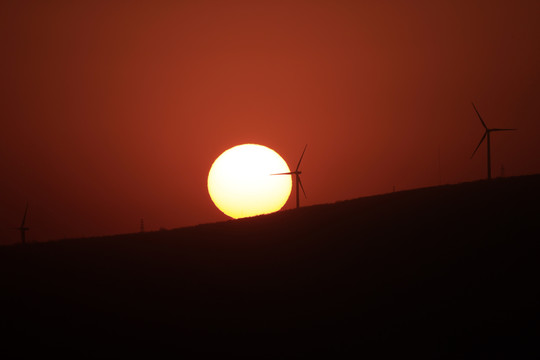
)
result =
(444, 272)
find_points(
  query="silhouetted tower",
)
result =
(487, 134)
(142, 225)
(297, 173)
(23, 229)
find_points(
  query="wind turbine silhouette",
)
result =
(486, 134)
(297, 172)
(23, 229)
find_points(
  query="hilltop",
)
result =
(447, 271)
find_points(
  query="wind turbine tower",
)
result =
(487, 135)
(23, 229)
(297, 173)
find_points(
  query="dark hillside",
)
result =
(444, 272)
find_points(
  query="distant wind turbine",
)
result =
(23, 229)
(297, 172)
(486, 134)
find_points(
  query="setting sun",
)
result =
(240, 182)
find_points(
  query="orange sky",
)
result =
(113, 112)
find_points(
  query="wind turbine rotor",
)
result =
(301, 186)
(301, 157)
(287, 173)
(298, 181)
(24, 216)
(480, 143)
(480, 117)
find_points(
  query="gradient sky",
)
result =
(114, 111)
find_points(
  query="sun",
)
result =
(241, 185)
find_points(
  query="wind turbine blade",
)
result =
(477, 113)
(502, 129)
(24, 217)
(301, 187)
(299, 161)
(480, 143)
(289, 173)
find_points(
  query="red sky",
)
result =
(114, 111)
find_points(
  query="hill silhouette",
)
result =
(445, 272)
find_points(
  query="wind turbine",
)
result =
(297, 172)
(23, 229)
(486, 134)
